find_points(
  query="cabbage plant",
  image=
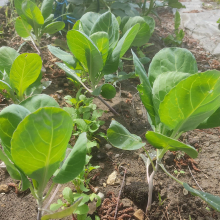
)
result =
(97, 48)
(34, 137)
(34, 22)
(20, 74)
(178, 99)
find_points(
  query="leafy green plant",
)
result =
(177, 99)
(175, 40)
(34, 136)
(82, 209)
(84, 114)
(34, 22)
(20, 74)
(94, 42)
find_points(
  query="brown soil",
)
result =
(176, 204)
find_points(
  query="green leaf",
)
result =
(144, 89)
(213, 201)
(163, 84)
(108, 23)
(81, 195)
(12, 170)
(55, 206)
(175, 4)
(83, 209)
(86, 52)
(143, 34)
(64, 213)
(6, 90)
(63, 55)
(123, 45)
(211, 122)
(69, 72)
(172, 60)
(177, 20)
(24, 71)
(163, 142)
(100, 39)
(88, 20)
(191, 102)
(46, 8)
(71, 111)
(54, 27)
(108, 91)
(74, 163)
(7, 57)
(150, 21)
(10, 117)
(18, 6)
(33, 14)
(39, 143)
(121, 138)
(22, 28)
(35, 102)
(68, 195)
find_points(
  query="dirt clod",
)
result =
(139, 214)
(4, 188)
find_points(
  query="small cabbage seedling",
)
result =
(97, 48)
(178, 99)
(20, 74)
(34, 137)
(34, 22)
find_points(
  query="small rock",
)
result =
(104, 184)
(3, 166)
(137, 108)
(4, 188)
(185, 192)
(112, 179)
(139, 214)
(108, 146)
(117, 155)
(127, 202)
(101, 195)
(60, 91)
(96, 189)
(139, 112)
(66, 84)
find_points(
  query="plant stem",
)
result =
(49, 191)
(150, 159)
(40, 205)
(110, 108)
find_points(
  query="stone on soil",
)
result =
(139, 214)
(4, 188)
(112, 179)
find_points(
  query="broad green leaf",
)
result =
(39, 143)
(64, 213)
(163, 142)
(72, 112)
(213, 201)
(48, 20)
(88, 20)
(69, 72)
(100, 39)
(144, 89)
(172, 60)
(24, 71)
(81, 195)
(175, 4)
(123, 45)
(7, 91)
(22, 27)
(54, 27)
(86, 52)
(63, 55)
(35, 102)
(46, 8)
(74, 163)
(12, 170)
(163, 84)
(18, 6)
(55, 206)
(83, 209)
(7, 57)
(192, 101)
(68, 194)
(150, 21)
(108, 91)
(33, 14)
(143, 34)
(108, 23)
(211, 122)
(81, 124)
(10, 117)
(121, 138)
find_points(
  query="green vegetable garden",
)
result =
(95, 124)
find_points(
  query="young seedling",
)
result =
(34, 137)
(177, 99)
(20, 74)
(97, 48)
(34, 22)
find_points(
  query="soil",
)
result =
(203, 172)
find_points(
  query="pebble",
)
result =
(101, 195)
(185, 192)
(139, 214)
(112, 179)
(108, 146)
(104, 184)
(117, 155)
(60, 91)
(66, 84)
(4, 188)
